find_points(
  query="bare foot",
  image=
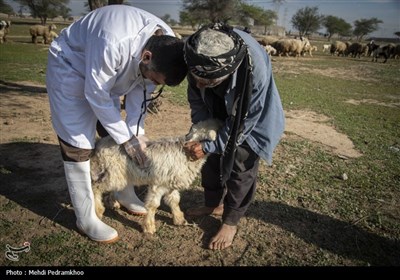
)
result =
(204, 210)
(224, 238)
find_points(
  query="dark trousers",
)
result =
(74, 154)
(239, 190)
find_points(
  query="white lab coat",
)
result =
(91, 64)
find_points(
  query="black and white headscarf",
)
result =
(214, 67)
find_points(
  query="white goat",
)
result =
(4, 30)
(270, 50)
(169, 171)
(326, 47)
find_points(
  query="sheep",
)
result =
(267, 40)
(169, 171)
(326, 47)
(41, 30)
(396, 52)
(52, 36)
(339, 48)
(356, 49)
(309, 49)
(270, 50)
(4, 30)
(293, 46)
(384, 51)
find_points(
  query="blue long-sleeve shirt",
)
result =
(265, 121)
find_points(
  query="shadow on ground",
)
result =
(21, 88)
(331, 234)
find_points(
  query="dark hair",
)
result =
(167, 58)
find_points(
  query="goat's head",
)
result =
(205, 130)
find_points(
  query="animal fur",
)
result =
(169, 171)
(41, 30)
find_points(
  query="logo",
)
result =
(12, 252)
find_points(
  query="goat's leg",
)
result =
(152, 203)
(98, 202)
(172, 200)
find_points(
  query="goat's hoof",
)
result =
(149, 229)
(181, 222)
(111, 202)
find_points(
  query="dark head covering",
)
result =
(214, 67)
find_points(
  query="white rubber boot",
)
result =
(80, 191)
(129, 200)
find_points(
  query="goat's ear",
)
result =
(212, 135)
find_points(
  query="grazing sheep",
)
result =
(52, 36)
(309, 49)
(326, 47)
(291, 46)
(41, 30)
(396, 52)
(339, 48)
(268, 40)
(169, 171)
(384, 51)
(4, 29)
(270, 50)
(357, 49)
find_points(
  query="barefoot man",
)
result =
(230, 78)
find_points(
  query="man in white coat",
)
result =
(113, 51)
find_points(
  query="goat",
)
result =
(4, 30)
(169, 171)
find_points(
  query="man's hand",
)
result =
(194, 150)
(135, 149)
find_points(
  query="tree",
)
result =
(259, 15)
(363, 27)
(397, 33)
(335, 25)
(45, 9)
(64, 12)
(5, 8)
(307, 20)
(203, 11)
(167, 18)
(186, 18)
(94, 4)
(268, 18)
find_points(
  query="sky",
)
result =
(350, 10)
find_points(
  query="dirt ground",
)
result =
(25, 116)
(28, 148)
